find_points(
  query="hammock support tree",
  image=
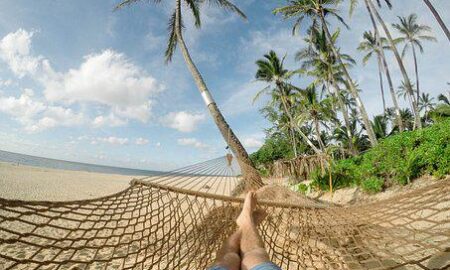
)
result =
(179, 220)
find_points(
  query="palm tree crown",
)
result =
(176, 20)
(412, 32)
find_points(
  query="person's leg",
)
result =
(228, 256)
(253, 253)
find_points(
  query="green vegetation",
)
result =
(395, 160)
(326, 117)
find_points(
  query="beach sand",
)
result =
(21, 182)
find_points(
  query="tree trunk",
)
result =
(386, 69)
(438, 18)
(399, 60)
(345, 116)
(380, 74)
(291, 119)
(401, 127)
(319, 139)
(249, 173)
(416, 70)
(353, 91)
(294, 142)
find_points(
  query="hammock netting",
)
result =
(179, 220)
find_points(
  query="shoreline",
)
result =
(32, 183)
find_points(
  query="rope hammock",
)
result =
(178, 221)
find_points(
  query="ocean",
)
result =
(69, 165)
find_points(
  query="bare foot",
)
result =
(245, 218)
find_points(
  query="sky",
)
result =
(81, 82)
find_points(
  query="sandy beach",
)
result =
(35, 183)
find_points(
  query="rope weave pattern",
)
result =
(155, 225)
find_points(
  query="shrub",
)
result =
(372, 185)
(396, 160)
(301, 188)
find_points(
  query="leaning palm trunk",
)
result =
(294, 142)
(250, 174)
(417, 122)
(291, 120)
(386, 69)
(393, 96)
(380, 75)
(345, 116)
(353, 91)
(319, 139)
(416, 70)
(438, 18)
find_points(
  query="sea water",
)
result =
(28, 160)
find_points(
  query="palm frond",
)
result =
(228, 6)
(173, 40)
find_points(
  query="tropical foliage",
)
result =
(396, 160)
(327, 116)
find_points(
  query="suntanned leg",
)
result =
(253, 252)
(228, 256)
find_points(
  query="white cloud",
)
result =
(183, 121)
(142, 141)
(36, 116)
(252, 142)
(15, 51)
(56, 116)
(191, 142)
(110, 120)
(112, 140)
(108, 80)
(23, 108)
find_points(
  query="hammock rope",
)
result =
(178, 220)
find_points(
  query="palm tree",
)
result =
(271, 70)
(175, 39)
(317, 10)
(412, 34)
(403, 91)
(408, 119)
(373, 44)
(438, 18)
(444, 99)
(370, 45)
(358, 139)
(373, 12)
(319, 62)
(314, 109)
(426, 104)
(380, 126)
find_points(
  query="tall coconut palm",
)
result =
(317, 10)
(314, 109)
(175, 38)
(412, 35)
(438, 18)
(382, 55)
(373, 13)
(319, 62)
(271, 70)
(370, 45)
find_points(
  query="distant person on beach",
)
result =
(244, 249)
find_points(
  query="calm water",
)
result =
(68, 165)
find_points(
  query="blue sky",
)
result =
(81, 82)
